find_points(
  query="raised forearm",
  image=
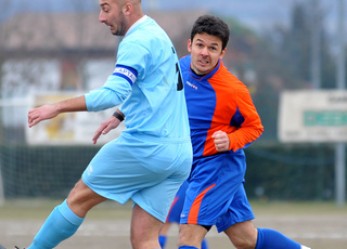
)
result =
(71, 105)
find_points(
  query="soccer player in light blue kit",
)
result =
(153, 155)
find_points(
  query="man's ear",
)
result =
(189, 45)
(224, 51)
(127, 8)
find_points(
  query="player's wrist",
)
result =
(119, 116)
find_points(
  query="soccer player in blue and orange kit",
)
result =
(223, 121)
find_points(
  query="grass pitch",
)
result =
(318, 225)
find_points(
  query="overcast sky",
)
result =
(259, 14)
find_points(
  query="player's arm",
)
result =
(49, 111)
(251, 128)
(113, 93)
(109, 124)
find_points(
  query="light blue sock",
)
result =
(61, 224)
(162, 241)
(271, 239)
(204, 244)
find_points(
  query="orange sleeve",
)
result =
(251, 128)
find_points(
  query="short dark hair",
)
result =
(211, 25)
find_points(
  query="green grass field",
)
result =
(318, 225)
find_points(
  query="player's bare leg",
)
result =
(144, 229)
(246, 236)
(66, 218)
(82, 199)
(243, 235)
(191, 235)
(163, 234)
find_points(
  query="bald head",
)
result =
(120, 15)
(122, 2)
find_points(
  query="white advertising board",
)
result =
(313, 116)
(68, 128)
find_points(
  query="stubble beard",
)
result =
(122, 26)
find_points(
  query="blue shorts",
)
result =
(138, 168)
(177, 205)
(216, 195)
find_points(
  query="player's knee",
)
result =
(243, 235)
(243, 243)
(191, 235)
(81, 199)
(79, 192)
(143, 240)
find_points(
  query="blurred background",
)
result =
(290, 53)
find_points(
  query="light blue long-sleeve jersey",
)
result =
(147, 83)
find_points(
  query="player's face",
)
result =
(206, 50)
(111, 14)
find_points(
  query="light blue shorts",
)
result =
(141, 169)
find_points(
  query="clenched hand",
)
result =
(221, 141)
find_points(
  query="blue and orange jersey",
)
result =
(219, 101)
